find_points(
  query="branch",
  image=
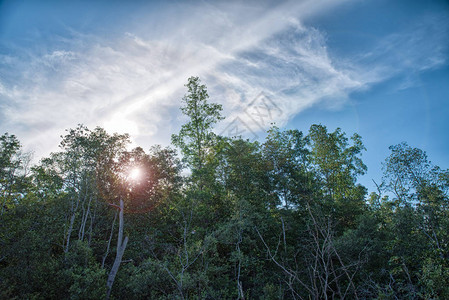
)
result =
(292, 275)
(114, 205)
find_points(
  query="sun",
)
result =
(135, 174)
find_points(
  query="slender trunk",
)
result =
(121, 246)
(241, 295)
(109, 241)
(84, 220)
(92, 220)
(69, 232)
(72, 221)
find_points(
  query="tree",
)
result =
(288, 159)
(200, 148)
(420, 199)
(337, 165)
(416, 182)
(196, 138)
(409, 174)
(86, 165)
(88, 171)
(13, 171)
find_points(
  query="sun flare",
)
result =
(135, 174)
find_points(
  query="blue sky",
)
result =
(379, 68)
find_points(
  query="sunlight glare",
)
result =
(135, 174)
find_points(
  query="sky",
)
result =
(379, 68)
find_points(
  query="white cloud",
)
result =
(134, 82)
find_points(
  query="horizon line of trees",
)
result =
(280, 219)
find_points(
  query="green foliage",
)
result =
(337, 165)
(289, 162)
(280, 219)
(82, 274)
(29, 251)
(13, 171)
(435, 278)
(196, 138)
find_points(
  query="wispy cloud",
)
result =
(133, 82)
(419, 47)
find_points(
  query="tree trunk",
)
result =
(109, 241)
(72, 222)
(121, 246)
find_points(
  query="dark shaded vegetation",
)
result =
(282, 219)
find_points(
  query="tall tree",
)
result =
(419, 219)
(288, 159)
(196, 138)
(337, 165)
(200, 148)
(13, 171)
(409, 174)
(86, 164)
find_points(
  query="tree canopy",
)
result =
(282, 218)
